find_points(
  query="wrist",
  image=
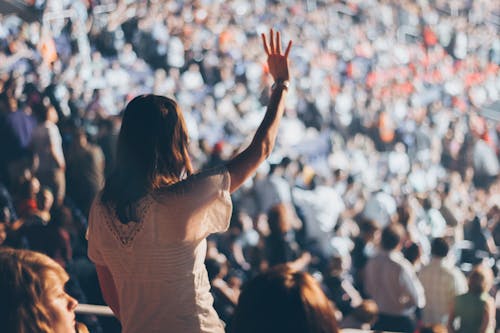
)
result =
(280, 83)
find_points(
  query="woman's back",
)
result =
(158, 263)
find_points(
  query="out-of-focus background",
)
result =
(392, 117)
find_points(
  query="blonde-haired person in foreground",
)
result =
(33, 299)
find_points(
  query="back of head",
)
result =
(284, 300)
(22, 284)
(392, 236)
(440, 247)
(152, 151)
(480, 279)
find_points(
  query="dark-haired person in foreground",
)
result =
(147, 230)
(284, 300)
(391, 281)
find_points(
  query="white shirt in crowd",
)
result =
(442, 282)
(393, 284)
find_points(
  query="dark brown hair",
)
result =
(152, 152)
(284, 300)
(480, 279)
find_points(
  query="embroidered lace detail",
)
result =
(126, 233)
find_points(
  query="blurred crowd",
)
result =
(384, 126)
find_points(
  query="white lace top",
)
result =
(157, 263)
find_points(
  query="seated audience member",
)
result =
(284, 300)
(391, 281)
(474, 311)
(442, 282)
(33, 295)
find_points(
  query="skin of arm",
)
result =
(488, 316)
(451, 318)
(244, 164)
(108, 289)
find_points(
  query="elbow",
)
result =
(266, 149)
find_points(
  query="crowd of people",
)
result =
(384, 157)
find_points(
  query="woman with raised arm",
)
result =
(147, 229)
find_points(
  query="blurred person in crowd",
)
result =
(362, 317)
(281, 243)
(16, 135)
(442, 281)
(479, 234)
(320, 207)
(25, 202)
(85, 171)
(364, 248)
(390, 280)
(41, 233)
(7, 206)
(413, 253)
(46, 143)
(153, 179)
(474, 311)
(33, 294)
(284, 300)
(338, 286)
(225, 297)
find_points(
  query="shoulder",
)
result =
(211, 179)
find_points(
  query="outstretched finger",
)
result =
(288, 48)
(271, 42)
(264, 41)
(278, 42)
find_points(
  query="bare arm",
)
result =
(451, 319)
(488, 317)
(108, 289)
(244, 164)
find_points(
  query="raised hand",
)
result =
(276, 60)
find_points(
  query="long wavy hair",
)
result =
(152, 152)
(24, 279)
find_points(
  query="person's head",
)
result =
(45, 199)
(480, 279)
(368, 229)
(392, 236)
(440, 247)
(283, 300)
(33, 296)
(413, 253)
(153, 139)
(152, 150)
